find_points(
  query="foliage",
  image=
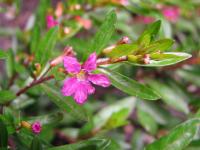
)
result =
(143, 54)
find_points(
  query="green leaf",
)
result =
(117, 119)
(65, 103)
(164, 59)
(36, 144)
(147, 121)
(159, 45)
(151, 31)
(93, 144)
(104, 34)
(10, 65)
(190, 75)
(6, 96)
(3, 54)
(35, 36)
(170, 95)
(144, 40)
(46, 45)
(108, 115)
(122, 50)
(130, 86)
(3, 136)
(178, 138)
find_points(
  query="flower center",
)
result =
(81, 75)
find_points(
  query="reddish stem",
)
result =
(34, 83)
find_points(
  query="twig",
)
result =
(34, 83)
(110, 60)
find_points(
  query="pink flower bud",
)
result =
(146, 59)
(36, 127)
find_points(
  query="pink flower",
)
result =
(79, 85)
(86, 23)
(171, 13)
(51, 22)
(36, 127)
(145, 19)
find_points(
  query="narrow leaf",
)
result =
(104, 34)
(46, 45)
(6, 96)
(164, 59)
(130, 86)
(93, 144)
(36, 144)
(178, 138)
(65, 103)
(3, 136)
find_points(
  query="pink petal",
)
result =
(90, 64)
(89, 87)
(69, 86)
(51, 22)
(81, 93)
(99, 79)
(71, 64)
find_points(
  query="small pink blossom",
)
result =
(36, 127)
(145, 19)
(51, 22)
(171, 13)
(79, 85)
(86, 23)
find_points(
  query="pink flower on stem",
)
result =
(36, 127)
(171, 13)
(51, 22)
(79, 85)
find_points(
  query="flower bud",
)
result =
(146, 59)
(36, 127)
(25, 124)
(68, 51)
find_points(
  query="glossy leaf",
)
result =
(170, 95)
(46, 45)
(65, 103)
(6, 96)
(3, 136)
(147, 121)
(108, 115)
(164, 59)
(178, 138)
(91, 144)
(104, 33)
(130, 86)
(117, 119)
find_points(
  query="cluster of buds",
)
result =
(35, 127)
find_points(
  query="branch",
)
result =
(34, 83)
